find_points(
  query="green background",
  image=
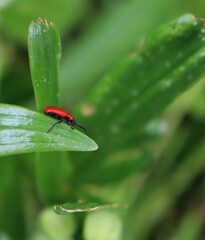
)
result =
(132, 72)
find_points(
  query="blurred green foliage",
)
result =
(122, 63)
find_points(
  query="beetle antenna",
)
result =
(81, 126)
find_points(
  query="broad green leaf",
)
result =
(114, 34)
(138, 88)
(81, 207)
(23, 131)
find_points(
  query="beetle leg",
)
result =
(71, 125)
(60, 121)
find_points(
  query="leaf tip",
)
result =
(94, 146)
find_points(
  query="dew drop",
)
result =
(156, 127)
(182, 69)
(166, 83)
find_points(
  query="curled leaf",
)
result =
(81, 207)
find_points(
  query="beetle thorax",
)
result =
(70, 117)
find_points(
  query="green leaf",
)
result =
(112, 36)
(53, 189)
(23, 131)
(44, 56)
(81, 207)
(139, 87)
(11, 198)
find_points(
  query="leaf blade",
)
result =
(138, 88)
(24, 131)
(44, 55)
(115, 39)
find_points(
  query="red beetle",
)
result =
(62, 116)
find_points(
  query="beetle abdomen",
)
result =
(54, 115)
